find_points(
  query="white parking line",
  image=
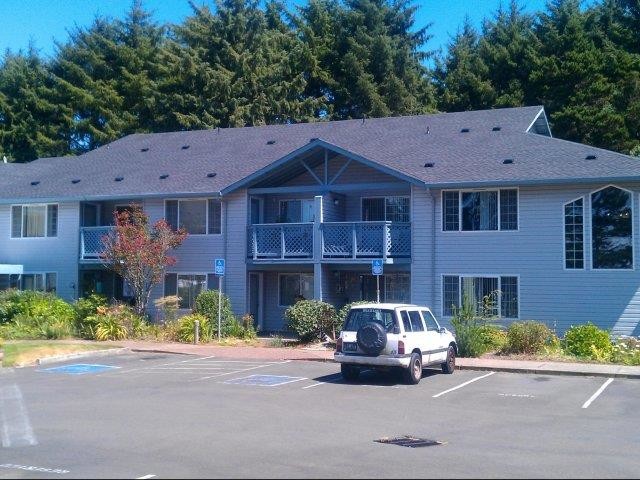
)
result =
(336, 376)
(145, 477)
(16, 427)
(598, 392)
(240, 371)
(463, 384)
(31, 468)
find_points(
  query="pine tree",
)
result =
(30, 120)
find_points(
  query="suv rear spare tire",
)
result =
(371, 338)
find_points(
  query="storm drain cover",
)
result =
(409, 441)
(79, 369)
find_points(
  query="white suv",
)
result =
(383, 335)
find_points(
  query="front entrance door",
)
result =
(255, 299)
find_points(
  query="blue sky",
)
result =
(42, 21)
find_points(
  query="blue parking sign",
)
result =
(219, 267)
(376, 267)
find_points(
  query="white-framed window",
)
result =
(574, 234)
(397, 288)
(296, 210)
(390, 209)
(196, 216)
(34, 221)
(41, 281)
(496, 295)
(293, 287)
(9, 280)
(187, 286)
(480, 210)
(612, 229)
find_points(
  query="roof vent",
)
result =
(164, 176)
(270, 142)
(496, 129)
(465, 130)
(429, 165)
(37, 182)
(75, 180)
(144, 149)
(313, 139)
(119, 179)
(428, 130)
(185, 147)
(508, 161)
(590, 157)
(211, 175)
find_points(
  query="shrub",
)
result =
(528, 337)
(588, 341)
(468, 328)
(493, 337)
(207, 305)
(185, 328)
(168, 306)
(276, 341)
(25, 326)
(115, 323)
(109, 327)
(29, 314)
(626, 350)
(85, 308)
(311, 319)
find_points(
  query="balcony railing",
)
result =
(336, 240)
(363, 240)
(91, 242)
(280, 241)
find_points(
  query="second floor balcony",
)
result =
(329, 241)
(91, 245)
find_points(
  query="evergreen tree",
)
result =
(462, 77)
(30, 120)
(368, 59)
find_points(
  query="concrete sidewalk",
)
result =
(315, 354)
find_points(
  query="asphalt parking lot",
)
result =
(158, 415)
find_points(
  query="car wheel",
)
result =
(413, 374)
(450, 364)
(349, 372)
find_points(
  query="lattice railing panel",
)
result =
(91, 241)
(279, 241)
(298, 240)
(370, 239)
(337, 239)
(399, 240)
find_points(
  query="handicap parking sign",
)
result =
(376, 267)
(219, 266)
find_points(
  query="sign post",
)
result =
(219, 271)
(377, 269)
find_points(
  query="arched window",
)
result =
(574, 234)
(611, 229)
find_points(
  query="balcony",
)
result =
(91, 242)
(331, 241)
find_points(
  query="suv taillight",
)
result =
(339, 345)
(400, 347)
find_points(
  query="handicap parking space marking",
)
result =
(463, 384)
(79, 369)
(597, 393)
(265, 380)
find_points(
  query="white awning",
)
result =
(11, 269)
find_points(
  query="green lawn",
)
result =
(18, 353)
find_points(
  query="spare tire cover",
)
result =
(372, 338)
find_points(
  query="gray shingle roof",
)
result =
(400, 143)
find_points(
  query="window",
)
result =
(185, 286)
(612, 229)
(359, 316)
(574, 234)
(41, 282)
(197, 217)
(486, 210)
(34, 221)
(396, 288)
(390, 209)
(295, 286)
(405, 321)
(430, 321)
(493, 296)
(297, 211)
(8, 281)
(416, 321)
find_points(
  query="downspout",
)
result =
(433, 247)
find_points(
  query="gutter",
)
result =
(97, 198)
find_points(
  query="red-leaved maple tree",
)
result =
(139, 252)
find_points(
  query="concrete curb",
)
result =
(545, 371)
(72, 356)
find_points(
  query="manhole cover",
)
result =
(409, 441)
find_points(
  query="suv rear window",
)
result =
(360, 316)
